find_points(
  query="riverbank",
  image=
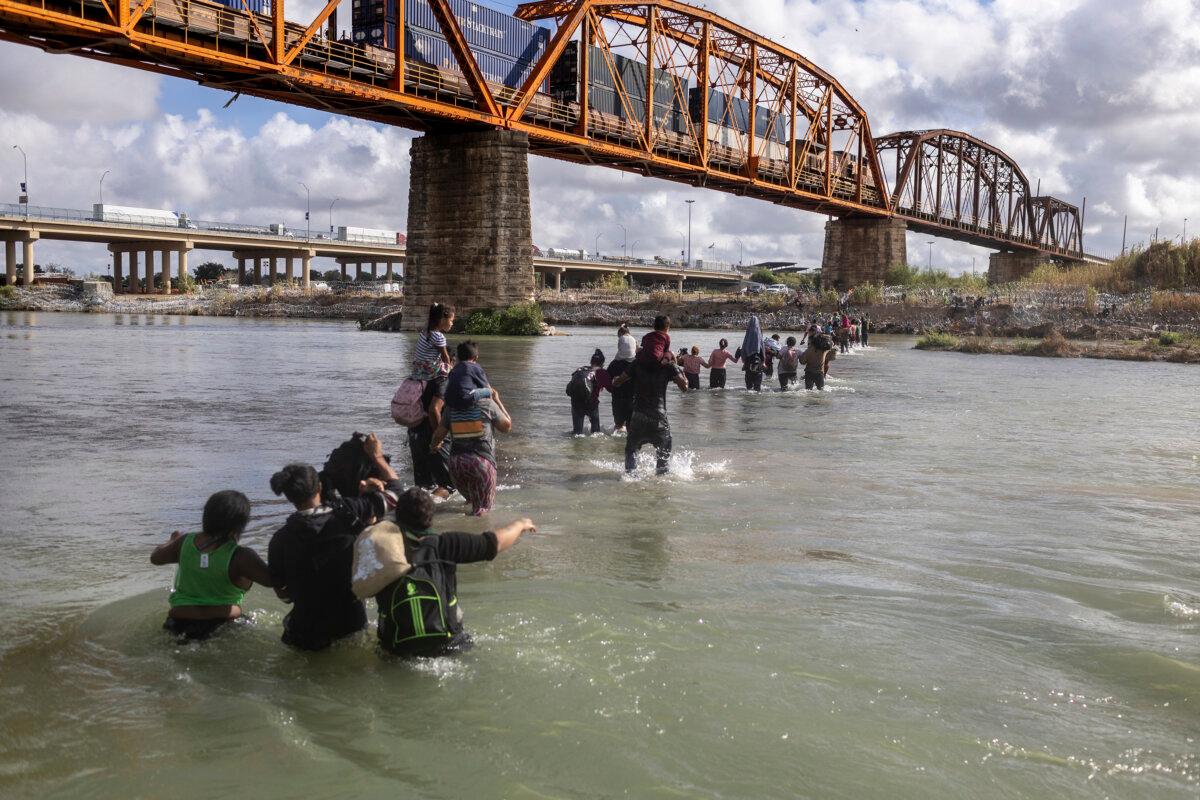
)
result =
(1169, 347)
(281, 302)
(1007, 312)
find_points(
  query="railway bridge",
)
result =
(657, 88)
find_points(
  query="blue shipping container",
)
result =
(484, 28)
(434, 51)
(256, 6)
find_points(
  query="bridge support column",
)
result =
(118, 271)
(469, 241)
(345, 277)
(147, 258)
(241, 271)
(273, 262)
(181, 267)
(291, 269)
(10, 263)
(258, 276)
(1011, 266)
(861, 250)
(306, 270)
(29, 259)
(165, 255)
(391, 273)
(558, 280)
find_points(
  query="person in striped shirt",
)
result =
(431, 362)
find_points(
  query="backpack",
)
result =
(416, 614)
(582, 385)
(406, 403)
(823, 342)
(789, 360)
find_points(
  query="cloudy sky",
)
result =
(1093, 98)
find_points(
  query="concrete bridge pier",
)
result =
(10, 263)
(861, 250)
(469, 240)
(1009, 266)
(11, 239)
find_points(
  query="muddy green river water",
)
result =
(948, 577)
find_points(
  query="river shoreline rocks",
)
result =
(1017, 314)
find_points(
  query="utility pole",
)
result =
(331, 216)
(24, 198)
(102, 177)
(690, 203)
(596, 254)
(1183, 239)
(930, 257)
(741, 250)
(1124, 233)
(308, 215)
(624, 243)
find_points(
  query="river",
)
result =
(951, 576)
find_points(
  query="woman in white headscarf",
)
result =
(622, 396)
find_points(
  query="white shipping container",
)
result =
(373, 235)
(134, 216)
(735, 140)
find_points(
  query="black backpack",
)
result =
(417, 614)
(582, 384)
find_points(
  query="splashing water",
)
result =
(683, 466)
(1180, 609)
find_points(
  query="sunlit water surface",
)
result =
(949, 577)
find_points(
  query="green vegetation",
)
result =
(1163, 265)
(1170, 338)
(187, 285)
(523, 319)
(937, 340)
(915, 278)
(8, 292)
(867, 294)
(794, 281)
(210, 272)
(611, 282)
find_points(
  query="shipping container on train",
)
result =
(434, 51)
(484, 28)
(255, 6)
(564, 76)
(734, 112)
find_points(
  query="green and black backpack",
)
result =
(417, 614)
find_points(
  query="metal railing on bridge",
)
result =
(10, 211)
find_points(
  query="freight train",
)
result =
(506, 50)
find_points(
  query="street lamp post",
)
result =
(633, 248)
(690, 203)
(596, 252)
(930, 257)
(102, 177)
(307, 212)
(1183, 239)
(25, 183)
(331, 216)
(624, 243)
(682, 250)
(741, 250)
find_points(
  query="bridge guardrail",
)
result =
(135, 222)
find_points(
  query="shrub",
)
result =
(523, 319)
(914, 278)
(1092, 304)
(1174, 301)
(1112, 277)
(612, 282)
(867, 294)
(937, 340)
(8, 292)
(1169, 338)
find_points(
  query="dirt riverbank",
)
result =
(1169, 347)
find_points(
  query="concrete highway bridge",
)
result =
(263, 256)
(801, 141)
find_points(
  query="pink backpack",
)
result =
(406, 403)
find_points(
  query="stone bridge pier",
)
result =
(861, 250)
(1009, 266)
(469, 239)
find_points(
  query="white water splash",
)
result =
(683, 467)
(1180, 609)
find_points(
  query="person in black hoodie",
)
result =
(310, 557)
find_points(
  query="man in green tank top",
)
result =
(213, 571)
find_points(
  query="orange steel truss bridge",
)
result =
(817, 152)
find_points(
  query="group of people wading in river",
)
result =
(357, 533)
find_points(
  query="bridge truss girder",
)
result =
(828, 164)
(952, 184)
